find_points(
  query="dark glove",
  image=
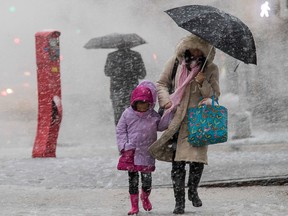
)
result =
(201, 60)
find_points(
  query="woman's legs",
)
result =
(178, 174)
(195, 173)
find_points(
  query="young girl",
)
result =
(136, 131)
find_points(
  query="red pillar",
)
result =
(49, 93)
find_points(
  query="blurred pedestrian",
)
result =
(136, 131)
(196, 81)
(124, 67)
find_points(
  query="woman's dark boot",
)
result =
(195, 173)
(178, 178)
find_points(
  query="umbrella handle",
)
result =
(206, 59)
(237, 66)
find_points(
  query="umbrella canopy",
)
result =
(224, 31)
(115, 40)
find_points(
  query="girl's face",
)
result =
(142, 106)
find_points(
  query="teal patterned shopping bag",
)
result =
(207, 125)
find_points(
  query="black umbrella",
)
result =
(224, 31)
(115, 40)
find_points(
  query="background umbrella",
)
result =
(115, 40)
(123, 66)
(224, 31)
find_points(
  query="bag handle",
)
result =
(174, 70)
(213, 100)
(170, 90)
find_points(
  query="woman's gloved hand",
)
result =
(200, 78)
(205, 101)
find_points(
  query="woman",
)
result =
(195, 57)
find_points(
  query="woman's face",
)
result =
(196, 57)
(142, 106)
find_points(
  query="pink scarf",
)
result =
(184, 79)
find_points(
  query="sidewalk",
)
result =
(94, 167)
(41, 201)
(83, 180)
(86, 183)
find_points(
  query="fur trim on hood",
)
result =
(194, 42)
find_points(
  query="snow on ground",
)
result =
(83, 180)
(41, 201)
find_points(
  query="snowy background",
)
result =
(86, 151)
(87, 108)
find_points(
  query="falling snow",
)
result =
(83, 179)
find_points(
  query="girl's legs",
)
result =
(133, 182)
(133, 191)
(146, 179)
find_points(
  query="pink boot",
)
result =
(145, 201)
(134, 198)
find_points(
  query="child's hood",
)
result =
(141, 93)
(152, 88)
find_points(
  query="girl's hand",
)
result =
(168, 105)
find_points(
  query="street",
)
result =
(83, 180)
(41, 201)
